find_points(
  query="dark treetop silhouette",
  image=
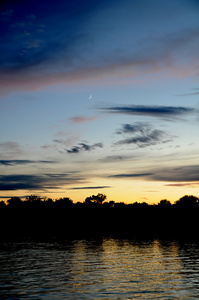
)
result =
(46, 218)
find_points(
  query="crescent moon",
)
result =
(90, 97)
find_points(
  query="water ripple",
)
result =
(105, 269)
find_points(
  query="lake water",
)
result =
(103, 269)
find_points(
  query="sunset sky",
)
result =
(99, 97)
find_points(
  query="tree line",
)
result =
(62, 218)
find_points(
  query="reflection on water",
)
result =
(103, 269)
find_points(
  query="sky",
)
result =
(99, 97)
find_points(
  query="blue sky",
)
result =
(136, 139)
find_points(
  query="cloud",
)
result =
(66, 138)
(7, 13)
(186, 184)
(33, 44)
(91, 187)
(143, 135)
(9, 145)
(114, 158)
(37, 182)
(181, 176)
(137, 127)
(59, 141)
(13, 162)
(195, 92)
(178, 174)
(10, 148)
(153, 138)
(83, 147)
(48, 146)
(151, 111)
(81, 47)
(82, 119)
(190, 94)
(129, 175)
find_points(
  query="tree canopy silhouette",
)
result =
(188, 201)
(44, 217)
(99, 198)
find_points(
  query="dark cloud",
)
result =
(74, 150)
(91, 187)
(128, 175)
(152, 111)
(179, 174)
(36, 53)
(137, 127)
(13, 162)
(37, 182)
(153, 138)
(142, 135)
(18, 182)
(36, 38)
(83, 147)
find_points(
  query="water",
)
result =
(103, 269)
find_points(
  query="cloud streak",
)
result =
(195, 91)
(13, 162)
(37, 181)
(150, 111)
(179, 176)
(91, 187)
(82, 119)
(130, 175)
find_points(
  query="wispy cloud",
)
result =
(130, 175)
(114, 158)
(10, 148)
(7, 13)
(142, 135)
(91, 187)
(184, 184)
(66, 138)
(82, 119)
(195, 91)
(83, 147)
(13, 162)
(151, 111)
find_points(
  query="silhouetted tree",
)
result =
(48, 200)
(33, 198)
(2, 204)
(99, 198)
(164, 203)
(64, 202)
(45, 217)
(14, 201)
(111, 203)
(187, 201)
